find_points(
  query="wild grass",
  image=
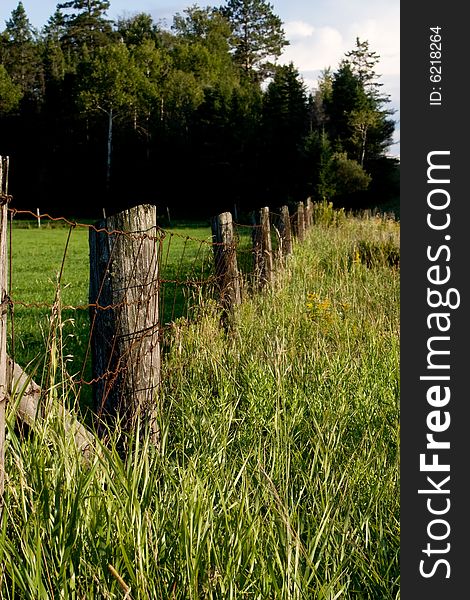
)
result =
(277, 473)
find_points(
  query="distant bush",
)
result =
(324, 214)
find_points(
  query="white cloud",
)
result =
(312, 49)
(298, 29)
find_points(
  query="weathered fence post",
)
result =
(300, 222)
(308, 213)
(262, 250)
(125, 324)
(286, 231)
(225, 258)
(3, 314)
(25, 397)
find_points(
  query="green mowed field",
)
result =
(37, 259)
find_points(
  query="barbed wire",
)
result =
(180, 271)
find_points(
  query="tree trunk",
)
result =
(109, 152)
(363, 148)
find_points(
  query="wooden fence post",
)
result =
(3, 314)
(308, 213)
(263, 254)
(300, 222)
(125, 322)
(225, 258)
(25, 397)
(286, 231)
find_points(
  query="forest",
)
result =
(197, 117)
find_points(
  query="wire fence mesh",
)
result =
(54, 300)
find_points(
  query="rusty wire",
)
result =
(174, 283)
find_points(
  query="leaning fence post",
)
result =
(263, 249)
(300, 222)
(124, 320)
(286, 231)
(3, 314)
(225, 258)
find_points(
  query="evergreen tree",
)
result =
(285, 105)
(320, 98)
(20, 53)
(285, 126)
(372, 129)
(85, 24)
(55, 28)
(347, 95)
(257, 36)
(10, 94)
(53, 56)
(357, 123)
(362, 61)
(325, 187)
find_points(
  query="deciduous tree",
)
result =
(109, 86)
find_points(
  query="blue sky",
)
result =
(319, 31)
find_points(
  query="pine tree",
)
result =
(285, 103)
(20, 53)
(85, 24)
(362, 61)
(55, 28)
(257, 36)
(285, 126)
(320, 98)
(53, 55)
(358, 124)
(347, 95)
(370, 124)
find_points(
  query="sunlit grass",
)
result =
(277, 474)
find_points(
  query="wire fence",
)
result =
(104, 296)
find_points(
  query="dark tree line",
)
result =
(197, 117)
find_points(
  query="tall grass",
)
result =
(277, 473)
